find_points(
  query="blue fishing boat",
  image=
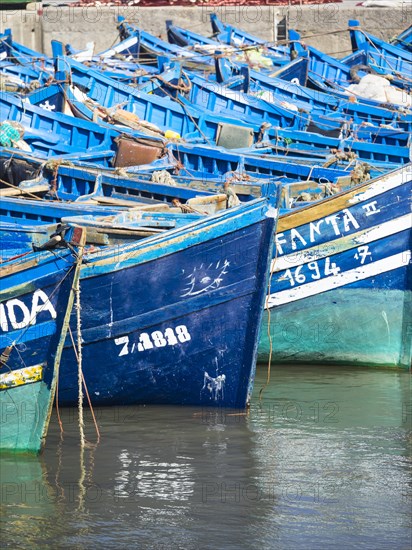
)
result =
(226, 128)
(213, 161)
(36, 298)
(328, 104)
(340, 289)
(246, 55)
(202, 167)
(228, 34)
(404, 39)
(185, 38)
(116, 67)
(90, 186)
(143, 46)
(380, 153)
(327, 73)
(48, 133)
(395, 56)
(188, 332)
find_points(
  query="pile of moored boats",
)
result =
(173, 212)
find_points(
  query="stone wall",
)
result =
(324, 25)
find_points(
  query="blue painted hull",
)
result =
(17, 239)
(236, 37)
(35, 300)
(404, 40)
(176, 323)
(194, 123)
(138, 43)
(362, 40)
(342, 278)
(329, 104)
(348, 326)
(326, 72)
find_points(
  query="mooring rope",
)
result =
(272, 269)
(86, 389)
(79, 362)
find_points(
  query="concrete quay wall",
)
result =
(323, 26)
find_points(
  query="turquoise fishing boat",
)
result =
(341, 282)
(36, 298)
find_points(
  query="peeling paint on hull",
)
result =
(31, 331)
(348, 326)
(342, 279)
(145, 340)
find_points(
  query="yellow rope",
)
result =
(272, 269)
(79, 363)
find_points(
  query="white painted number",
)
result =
(144, 342)
(313, 266)
(123, 340)
(183, 333)
(331, 268)
(157, 339)
(362, 254)
(297, 277)
(171, 337)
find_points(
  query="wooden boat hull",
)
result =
(25, 408)
(230, 35)
(35, 303)
(364, 327)
(341, 282)
(194, 122)
(175, 320)
(327, 104)
(361, 40)
(136, 42)
(404, 40)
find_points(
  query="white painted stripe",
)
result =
(345, 242)
(131, 41)
(336, 281)
(385, 183)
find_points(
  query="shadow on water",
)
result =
(323, 460)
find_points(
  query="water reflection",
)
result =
(153, 480)
(334, 447)
(27, 500)
(324, 460)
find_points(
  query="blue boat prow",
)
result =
(36, 298)
(188, 333)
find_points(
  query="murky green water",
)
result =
(324, 461)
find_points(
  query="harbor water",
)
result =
(322, 461)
